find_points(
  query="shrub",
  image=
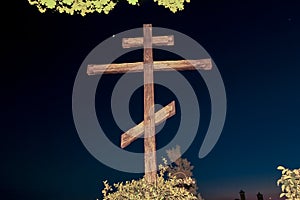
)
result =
(290, 183)
(164, 188)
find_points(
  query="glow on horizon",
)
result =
(251, 196)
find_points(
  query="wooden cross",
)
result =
(148, 66)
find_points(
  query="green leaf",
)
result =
(133, 2)
(172, 5)
(68, 2)
(50, 3)
(282, 187)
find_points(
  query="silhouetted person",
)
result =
(242, 195)
(260, 196)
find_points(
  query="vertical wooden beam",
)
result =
(149, 126)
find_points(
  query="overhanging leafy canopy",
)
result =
(84, 7)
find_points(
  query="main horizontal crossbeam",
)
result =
(180, 65)
(135, 132)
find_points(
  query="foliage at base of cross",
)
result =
(182, 168)
(164, 188)
(174, 181)
(289, 183)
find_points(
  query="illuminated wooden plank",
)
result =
(180, 65)
(156, 40)
(134, 133)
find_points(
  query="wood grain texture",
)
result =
(179, 65)
(148, 67)
(156, 41)
(160, 116)
(149, 124)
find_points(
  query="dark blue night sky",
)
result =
(256, 46)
